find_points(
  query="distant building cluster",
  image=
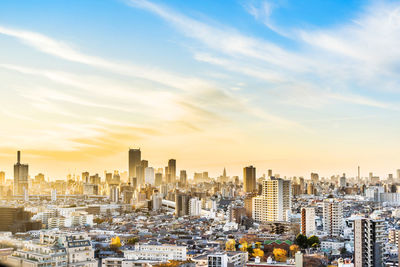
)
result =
(152, 216)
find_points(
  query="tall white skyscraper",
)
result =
(149, 175)
(274, 204)
(333, 217)
(157, 200)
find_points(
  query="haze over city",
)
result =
(296, 87)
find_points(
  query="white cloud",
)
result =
(262, 11)
(60, 49)
(326, 66)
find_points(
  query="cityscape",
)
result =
(164, 216)
(231, 133)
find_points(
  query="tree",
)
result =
(250, 250)
(301, 241)
(243, 245)
(115, 242)
(258, 253)
(132, 241)
(313, 241)
(230, 245)
(280, 254)
(343, 251)
(293, 249)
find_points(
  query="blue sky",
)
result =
(297, 86)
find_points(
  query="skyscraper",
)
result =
(158, 179)
(20, 176)
(333, 217)
(368, 242)
(2, 178)
(181, 204)
(274, 204)
(114, 194)
(85, 177)
(183, 178)
(134, 161)
(149, 175)
(342, 181)
(172, 169)
(314, 177)
(249, 179)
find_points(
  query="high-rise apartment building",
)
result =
(333, 217)
(368, 242)
(149, 175)
(181, 204)
(20, 176)
(308, 221)
(274, 204)
(249, 179)
(157, 200)
(135, 158)
(195, 207)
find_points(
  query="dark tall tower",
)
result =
(249, 179)
(135, 158)
(20, 176)
(183, 178)
(181, 204)
(172, 169)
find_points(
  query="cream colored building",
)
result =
(333, 217)
(274, 204)
(162, 253)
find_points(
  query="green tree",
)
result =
(313, 241)
(301, 241)
(250, 250)
(132, 241)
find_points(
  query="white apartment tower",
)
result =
(274, 204)
(308, 221)
(194, 207)
(333, 217)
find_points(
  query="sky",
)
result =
(293, 86)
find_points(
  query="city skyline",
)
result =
(135, 160)
(286, 86)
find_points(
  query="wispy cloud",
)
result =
(326, 76)
(262, 11)
(226, 40)
(64, 51)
